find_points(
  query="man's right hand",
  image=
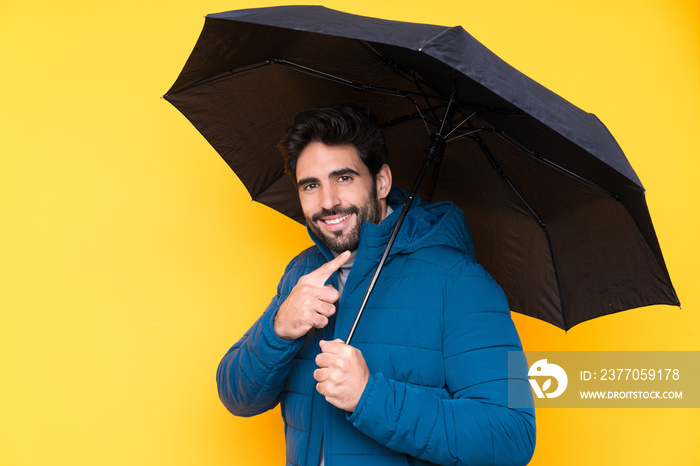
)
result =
(310, 303)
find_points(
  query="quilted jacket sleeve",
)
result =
(474, 425)
(253, 372)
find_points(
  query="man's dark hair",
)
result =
(334, 125)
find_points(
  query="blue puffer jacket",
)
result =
(436, 336)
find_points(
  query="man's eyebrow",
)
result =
(306, 180)
(343, 171)
(333, 174)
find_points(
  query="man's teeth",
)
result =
(337, 220)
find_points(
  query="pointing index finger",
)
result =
(324, 272)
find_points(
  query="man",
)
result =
(426, 378)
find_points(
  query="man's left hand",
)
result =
(342, 374)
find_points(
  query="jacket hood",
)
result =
(425, 225)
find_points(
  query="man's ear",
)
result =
(383, 182)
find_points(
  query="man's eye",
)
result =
(345, 178)
(309, 187)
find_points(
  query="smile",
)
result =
(336, 221)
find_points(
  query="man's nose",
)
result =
(329, 197)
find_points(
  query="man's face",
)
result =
(337, 194)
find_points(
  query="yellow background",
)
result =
(132, 257)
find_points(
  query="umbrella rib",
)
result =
(504, 176)
(349, 82)
(461, 122)
(420, 113)
(313, 72)
(436, 120)
(409, 76)
(535, 155)
(269, 185)
(511, 184)
(407, 94)
(410, 116)
(405, 74)
(543, 159)
(446, 117)
(464, 135)
(220, 76)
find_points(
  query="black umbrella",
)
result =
(558, 215)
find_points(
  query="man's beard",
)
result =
(341, 241)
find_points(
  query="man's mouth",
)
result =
(335, 224)
(337, 220)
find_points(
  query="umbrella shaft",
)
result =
(432, 153)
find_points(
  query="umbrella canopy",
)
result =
(557, 213)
